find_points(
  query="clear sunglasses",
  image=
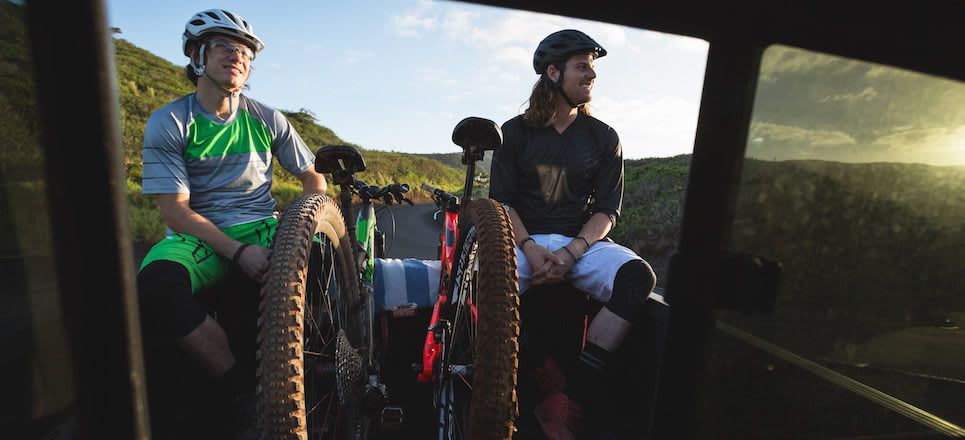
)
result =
(227, 47)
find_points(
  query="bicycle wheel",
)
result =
(481, 351)
(310, 374)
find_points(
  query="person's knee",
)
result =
(633, 284)
(167, 307)
(159, 281)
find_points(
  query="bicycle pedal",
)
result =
(392, 418)
(375, 396)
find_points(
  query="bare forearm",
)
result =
(313, 182)
(185, 220)
(594, 230)
(596, 227)
(519, 230)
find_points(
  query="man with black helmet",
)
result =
(560, 175)
(208, 159)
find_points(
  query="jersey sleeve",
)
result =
(288, 147)
(504, 178)
(163, 170)
(608, 185)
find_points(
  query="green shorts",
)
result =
(204, 265)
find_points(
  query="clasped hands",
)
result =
(548, 267)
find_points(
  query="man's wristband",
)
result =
(570, 252)
(234, 259)
(523, 242)
(584, 241)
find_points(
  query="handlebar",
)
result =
(443, 199)
(387, 193)
(435, 191)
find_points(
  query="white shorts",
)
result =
(593, 273)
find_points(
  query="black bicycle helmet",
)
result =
(559, 45)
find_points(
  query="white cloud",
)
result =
(799, 137)
(650, 128)
(932, 141)
(456, 21)
(867, 94)
(436, 77)
(355, 56)
(415, 21)
(783, 59)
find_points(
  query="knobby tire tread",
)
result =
(493, 404)
(280, 391)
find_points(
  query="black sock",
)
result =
(234, 383)
(234, 409)
(587, 373)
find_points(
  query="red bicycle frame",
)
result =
(432, 348)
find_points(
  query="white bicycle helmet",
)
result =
(222, 22)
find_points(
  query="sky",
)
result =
(399, 74)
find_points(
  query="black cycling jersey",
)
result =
(556, 181)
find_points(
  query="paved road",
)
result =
(416, 234)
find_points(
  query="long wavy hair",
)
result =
(542, 104)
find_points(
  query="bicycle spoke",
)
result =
(328, 289)
(322, 399)
(315, 353)
(466, 381)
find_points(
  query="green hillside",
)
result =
(21, 162)
(874, 247)
(455, 160)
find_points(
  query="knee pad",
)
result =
(168, 308)
(633, 284)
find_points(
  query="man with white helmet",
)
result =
(208, 159)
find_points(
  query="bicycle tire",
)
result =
(330, 306)
(485, 268)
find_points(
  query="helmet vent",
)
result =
(231, 17)
(222, 22)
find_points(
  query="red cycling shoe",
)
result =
(550, 378)
(559, 416)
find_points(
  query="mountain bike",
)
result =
(318, 373)
(471, 346)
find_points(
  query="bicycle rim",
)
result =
(456, 384)
(481, 352)
(304, 373)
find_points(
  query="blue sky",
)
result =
(399, 74)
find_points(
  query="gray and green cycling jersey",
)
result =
(224, 164)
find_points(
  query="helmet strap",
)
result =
(200, 69)
(558, 85)
(199, 66)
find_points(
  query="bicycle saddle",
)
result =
(339, 159)
(477, 132)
